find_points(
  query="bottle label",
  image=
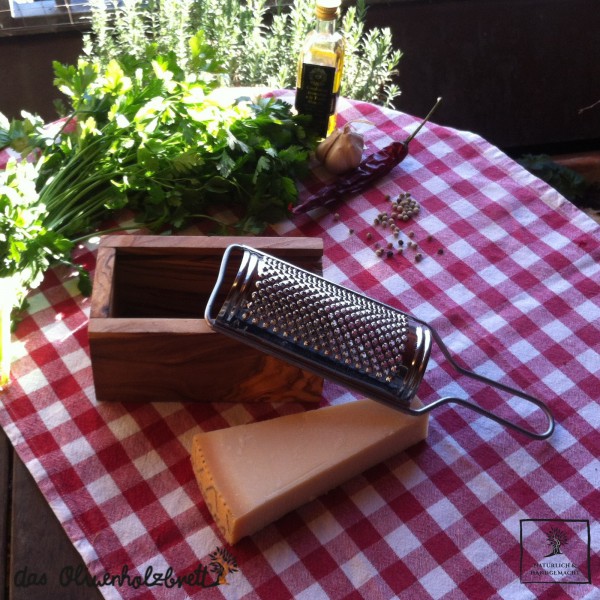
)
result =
(315, 95)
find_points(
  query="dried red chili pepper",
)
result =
(369, 170)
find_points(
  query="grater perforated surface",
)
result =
(325, 325)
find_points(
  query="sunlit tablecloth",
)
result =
(509, 276)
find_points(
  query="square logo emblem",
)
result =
(555, 551)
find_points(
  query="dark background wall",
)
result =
(26, 70)
(517, 72)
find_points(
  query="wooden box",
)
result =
(148, 337)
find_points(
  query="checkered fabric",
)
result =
(509, 276)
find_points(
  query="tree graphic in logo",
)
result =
(556, 538)
(222, 563)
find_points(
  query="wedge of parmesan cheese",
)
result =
(251, 475)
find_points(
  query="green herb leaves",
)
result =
(175, 152)
(27, 245)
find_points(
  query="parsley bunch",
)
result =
(172, 152)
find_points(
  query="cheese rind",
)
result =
(251, 475)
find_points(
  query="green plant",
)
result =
(256, 42)
(171, 151)
(566, 181)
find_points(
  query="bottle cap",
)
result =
(327, 9)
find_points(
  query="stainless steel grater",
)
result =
(341, 335)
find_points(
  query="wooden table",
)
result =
(32, 541)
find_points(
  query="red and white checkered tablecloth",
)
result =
(464, 515)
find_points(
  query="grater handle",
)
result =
(505, 388)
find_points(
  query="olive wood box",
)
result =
(148, 337)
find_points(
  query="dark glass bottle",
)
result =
(320, 67)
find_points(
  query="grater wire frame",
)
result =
(496, 384)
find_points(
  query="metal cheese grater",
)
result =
(339, 334)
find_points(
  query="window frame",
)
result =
(45, 16)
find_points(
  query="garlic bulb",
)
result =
(325, 146)
(341, 151)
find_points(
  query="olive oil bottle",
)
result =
(320, 67)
